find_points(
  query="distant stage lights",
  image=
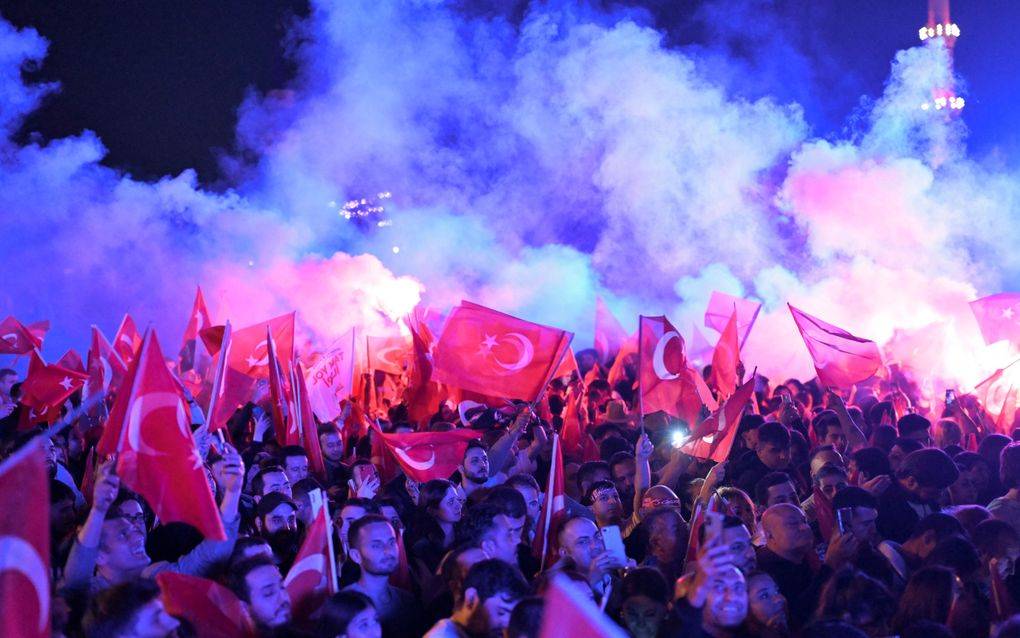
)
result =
(939, 30)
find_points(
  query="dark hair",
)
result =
(908, 445)
(853, 496)
(761, 488)
(589, 497)
(237, 577)
(492, 576)
(941, 525)
(477, 523)
(354, 532)
(930, 467)
(824, 420)
(526, 618)
(612, 447)
(431, 495)
(883, 437)
(523, 480)
(829, 469)
(291, 450)
(305, 486)
(993, 536)
(832, 629)
(111, 612)
(852, 594)
(587, 471)
(872, 462)
(1009, 466)
(242, 544)
(774, 434)
(567, 520)
(258, 483)
(910, 423)
(340, 610)
(879, 410)
(646, 581)
(957, 553)
(509, 501)
(928, 596)
(618, 458)
(818, 449)
(474, 444)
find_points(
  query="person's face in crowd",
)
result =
(963, 491)
(896, 456)
(786, 531)
(503, 542)
(642, 616)
(980, 475)
(922, 435)
(349, 514)
(376, 549)
(830, 485)
(133, 512)
(391, 514)
(269, 602)
(451, 508)
(600, 474)
(476, 466)
(258, 549)
(488, 617)
(582, 542)
(276, 482)
(152, 621)
(738, 539)
(662, 537)
(766, 605)
(122, 547)
(296, 468)
(834, 436)
(823, 458)
(921, 493)
(283, 517)
(364, 625)
(742, 509)
(62, 517)
(863, 525)
(6, 382)
(782, 493)
(726, 599)
(750, 438)
(623, 476)
(531, 499)
(775, 457)
(53, 455)
(607, 506)
(332, 446)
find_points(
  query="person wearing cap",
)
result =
(276, 521)
(920, 481)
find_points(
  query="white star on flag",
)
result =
(66, 383)
(1007, 313)
(489, 343)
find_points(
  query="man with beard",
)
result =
(488, 528)
(259, 585)
(474, 469)
(276, 522)
(492, 589)
(373, 547)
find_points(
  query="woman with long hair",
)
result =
(930, 595)
(349, 614)
(440, 508)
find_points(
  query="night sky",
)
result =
(160, 82)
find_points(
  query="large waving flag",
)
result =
(428, 455)
(285, 421)
(46, 387)
(725, 359)
(312, 578)
(486, 351)
(388, 354)
(212, 609)
(721, 306)
(554, 509)
(713, 437)
(149, 427)
(25, 545)
(331, 379)
(840, 358)
(127, 339)
(998, 316)
(609, 334)
(15, 338)
(665, 379)
(249, 354)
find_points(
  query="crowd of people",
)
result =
(870, 512)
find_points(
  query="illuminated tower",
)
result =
(939, 26)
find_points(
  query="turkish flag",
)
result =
(127, 339)
(609, 334)
(721, 306)
(428, 455)
(149, 426)
(725, 359)
(997, 394)
(46, 387)
(25, 544)
(15, 338)
(568, 614)
(699, 351)
(664, 380)
(554, 509)
(331, 378)
(310, 581)
(249, 350)
(422, 395)
(998, 316)
(194, 361)
(306, 423)
(715, 504)
(389, 354)
(212, 609)
(282, 402)
(72, 361)
(105, 367)
(618, 372)
(571, 434)
(482, 350)
(840, 358)
(713, 437)
(230, 388)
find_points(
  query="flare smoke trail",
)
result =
(531, 165)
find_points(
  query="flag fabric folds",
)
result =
(726, 359)
(713, 437)
(310, 580)
(998, 317)
(721, 306)
(127, 339)
(212, 609)
(554, 509)
(840, 358)
(331, 379)
(665, 380)
(568, 614)
(428, 455)
(609, 334)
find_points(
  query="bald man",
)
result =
(788, 558)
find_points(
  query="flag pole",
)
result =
(218, 379)
(333, 584)
(547, 505)
(641, 394)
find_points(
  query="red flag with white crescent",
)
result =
(428, 455)
(496, 354)
(309, 580)
(249, 354)
(25, 544)
(664, 378)
(149, 428)
(16, 338)
(45, 389)
(554, 509)
(713, 437)
(127, 339)
(212, 609)
(389, 354)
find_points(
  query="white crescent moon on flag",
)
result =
(142, 407)
(253, 361)
(126, 339)
(17, 555)
(658, 364)
(313, 563)
(525, 352)
(385, 355)
(10, 338)
(418, 465)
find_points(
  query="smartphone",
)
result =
(363, 472)
(613, 541)
(678, 439)
(844, 518)
(950, 397)
(713, 523)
